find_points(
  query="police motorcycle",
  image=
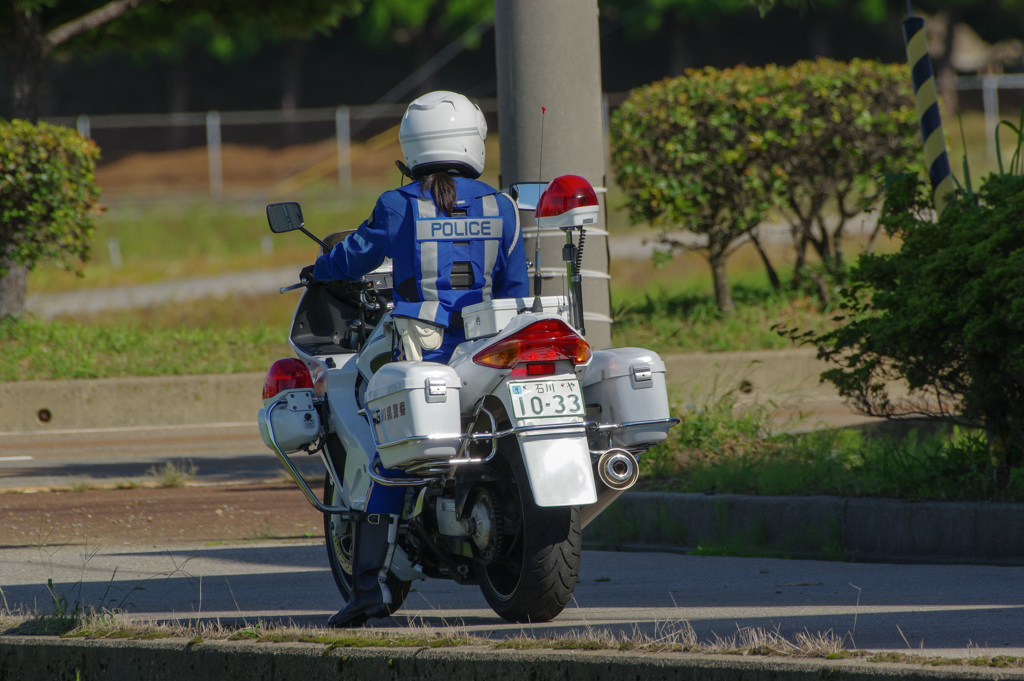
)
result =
(505, 453)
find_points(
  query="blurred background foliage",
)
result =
(194, 56)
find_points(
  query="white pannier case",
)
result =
(414, 408)
(627, 386)
(489, 317)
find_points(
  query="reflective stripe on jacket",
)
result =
(441, 263)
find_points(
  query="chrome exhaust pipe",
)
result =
(618, 469)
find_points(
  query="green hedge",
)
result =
(712, 151)
(48, 194)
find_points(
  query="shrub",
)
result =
(47, 198)
(710, 152)
(840, 129)
(944, 314)
(689, 154)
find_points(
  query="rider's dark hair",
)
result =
(441, 187)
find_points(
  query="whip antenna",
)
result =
(540, 162)
(537, 307)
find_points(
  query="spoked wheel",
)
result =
(338, 537)
(535, 575)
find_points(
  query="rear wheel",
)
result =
(338, 537)
(535, 575)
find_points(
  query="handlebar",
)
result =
(364, 293)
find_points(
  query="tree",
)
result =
(838, 128)
(1001, 20)
(685, 24)
(683, 20)
(424, 24)
(710, 152)
(690, 153)
(47, 198)
(32, 30)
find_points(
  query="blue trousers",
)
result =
(385, 498)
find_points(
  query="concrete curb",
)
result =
(47, 406)
(784, 376)
(47, 658)
(834, 528)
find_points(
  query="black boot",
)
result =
(373, 543)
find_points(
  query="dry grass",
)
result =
(668, 637)
(174, 474)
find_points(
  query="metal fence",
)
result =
(990, 86)
(335, 130)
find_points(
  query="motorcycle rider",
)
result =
(454, 241)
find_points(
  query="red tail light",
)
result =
(286, 374)
(544, 341)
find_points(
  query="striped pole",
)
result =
(927, 100)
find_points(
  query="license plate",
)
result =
(546, 399)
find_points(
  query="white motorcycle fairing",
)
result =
(353, 431)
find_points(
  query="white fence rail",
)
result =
(346, 121)
(990, 87)
(349, 120)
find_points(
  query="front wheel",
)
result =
(534, 578)
(338, 537)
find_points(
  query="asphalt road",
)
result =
(936, 610)
(941, 609)
(216, 452)
(946, 610)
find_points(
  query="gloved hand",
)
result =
(306, 275)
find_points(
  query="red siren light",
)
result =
(286, 374)
(565, 193)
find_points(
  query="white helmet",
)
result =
(443, 131)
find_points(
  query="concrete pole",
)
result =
(548, 55)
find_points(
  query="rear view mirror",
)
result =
(527, 194)
(287, 217)
(284, 217)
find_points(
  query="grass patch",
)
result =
(247, 334)
(162, 241)
(686, 319)
(998, 661)
(33, 349)
(722, 446)
(667, 637)
(174, 474)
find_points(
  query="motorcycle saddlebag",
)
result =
(409, 401)
(490, 317)
(627, 386)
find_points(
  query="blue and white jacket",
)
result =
(441, 263)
